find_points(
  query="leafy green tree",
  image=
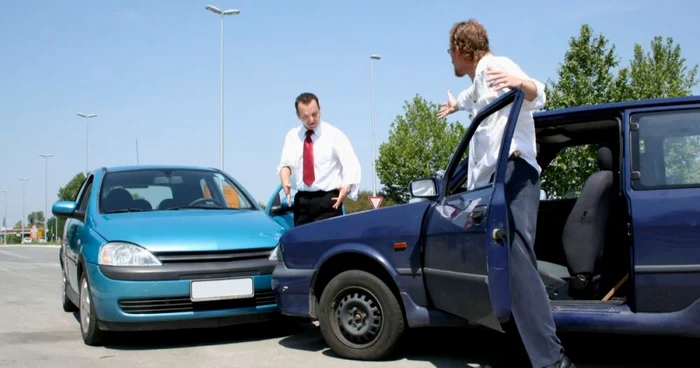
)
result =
(69, 192)
(661, 72)
(419, 145)
(35, 217)
(586, 77)
(51, 225)
(589, 75)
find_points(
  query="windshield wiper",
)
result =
(199, 208)
(126, 210)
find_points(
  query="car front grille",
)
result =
(184, 304)
(212, 256)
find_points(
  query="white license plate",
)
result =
(206, 290)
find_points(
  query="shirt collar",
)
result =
(317, 131)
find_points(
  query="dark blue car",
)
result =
(619, 254)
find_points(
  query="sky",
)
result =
(150, 70)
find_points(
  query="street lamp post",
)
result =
(86, 116)
(4, 225)
(221, 13)
(374, 174)
(46, 157)
(21, 231)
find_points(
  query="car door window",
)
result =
(84, 197)
(666, 149)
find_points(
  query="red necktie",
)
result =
(309, 176)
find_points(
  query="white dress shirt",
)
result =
(485, 145)
(335, 162)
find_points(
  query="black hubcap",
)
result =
(358, 317)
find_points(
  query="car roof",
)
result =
(157, 167)
(591, 111)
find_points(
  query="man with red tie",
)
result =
(319, 162)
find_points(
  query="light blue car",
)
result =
(166, 247)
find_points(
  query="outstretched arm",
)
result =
(287, 161)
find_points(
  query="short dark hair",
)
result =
(306, 99)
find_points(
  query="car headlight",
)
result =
(126, 254)
(276, 254)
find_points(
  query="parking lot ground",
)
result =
(35, 332)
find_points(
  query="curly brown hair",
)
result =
(470, 38)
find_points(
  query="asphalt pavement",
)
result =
(35, 332)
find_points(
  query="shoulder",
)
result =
(502, 61)
(505, 63)
(332, 129)
(293, 133)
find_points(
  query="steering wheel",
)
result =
(197, 202)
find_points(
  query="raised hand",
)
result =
(499, 79)
(449, 107)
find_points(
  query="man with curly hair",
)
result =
(492, 76)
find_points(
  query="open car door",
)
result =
(466, 264)
(278, 209)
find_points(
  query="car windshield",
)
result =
(167, 190)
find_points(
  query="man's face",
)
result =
(309, 114)
(462, 67)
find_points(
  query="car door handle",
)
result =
(478, 212)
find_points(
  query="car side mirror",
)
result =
(280, 209)
(64, 209)
(423, 188)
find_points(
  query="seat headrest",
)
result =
(605, 158)
(118, 198)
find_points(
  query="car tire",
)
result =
(67, 304)
(372, 323)
(89, 325)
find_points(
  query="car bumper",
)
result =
(163, 302)
(291, 289)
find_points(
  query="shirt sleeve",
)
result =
(464, 100)
(351, 172)
(288, 154)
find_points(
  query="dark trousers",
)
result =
(314, 206)
(529, 300)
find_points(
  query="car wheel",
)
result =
(92, 335)
(359, 317)
(68, 305)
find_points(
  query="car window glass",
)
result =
(494, 121)
(166, 189)
(154, 195)
(84, 195)
(666, 149)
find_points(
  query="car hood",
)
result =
(191, 230)
(374, 228)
